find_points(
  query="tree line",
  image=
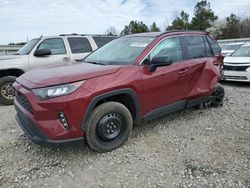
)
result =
(204, 19)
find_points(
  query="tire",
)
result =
(7, 91)
(216, 98)
(107, 117)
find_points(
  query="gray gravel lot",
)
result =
(191, 148)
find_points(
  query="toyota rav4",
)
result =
(131, 79)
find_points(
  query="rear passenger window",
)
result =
(101, 41)
(195, 47)
(215, 47)
(79, 45)
(170, 48)
(208, 49)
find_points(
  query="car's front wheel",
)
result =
(109, 127)
(7, 91)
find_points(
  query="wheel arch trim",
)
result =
(102, 96)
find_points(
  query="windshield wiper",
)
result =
(96, 63)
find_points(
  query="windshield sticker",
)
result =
(138, 44)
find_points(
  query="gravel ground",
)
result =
(191, 148)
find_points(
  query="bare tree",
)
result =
(111, 31)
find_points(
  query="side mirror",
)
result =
(159, 61)
(42, 52)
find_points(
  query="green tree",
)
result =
(181, 22)
(203, 16)
(232, 27)
(154, 28)
(135, 27)
(244, 27)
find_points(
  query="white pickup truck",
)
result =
(44, 52)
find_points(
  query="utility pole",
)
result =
(9, 39)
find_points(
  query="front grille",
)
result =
(235, 77)
(24, 102)
(235, 68)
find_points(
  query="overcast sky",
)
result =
(20, 19)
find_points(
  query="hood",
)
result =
(64, 74)
(240, 60)
(14, 62)
(227, 52)
(8, 57)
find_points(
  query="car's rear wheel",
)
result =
(109, 127)
(216, 98)
(7, 91)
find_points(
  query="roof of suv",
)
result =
(157, 34)
(94, 35)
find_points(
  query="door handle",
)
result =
(184, 70)
(216, 63)
(66, 59)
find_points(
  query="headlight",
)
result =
(56, 91)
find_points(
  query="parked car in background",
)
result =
(237, 66)
(228, 49)
(44, 52)
(131, 79)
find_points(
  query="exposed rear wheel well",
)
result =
(11, 72)
(124, 99)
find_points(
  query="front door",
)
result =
(58, 54)
(168, 84)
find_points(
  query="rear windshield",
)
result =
(101, 41)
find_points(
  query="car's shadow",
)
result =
(236, 84)
(146, 126)
(82, 147)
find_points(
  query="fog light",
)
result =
(63, 121)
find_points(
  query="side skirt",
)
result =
(180, 105)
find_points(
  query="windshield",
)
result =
(25, 50)
(121, 51)
(242, 52)
(231, 47)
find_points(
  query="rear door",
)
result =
(59, 55)
(200, 60)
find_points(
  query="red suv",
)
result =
(131, 79)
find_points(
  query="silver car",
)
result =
(45, 52)
(228, 49)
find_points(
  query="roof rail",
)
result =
(179, 30)
(68, 34)
(87, 34)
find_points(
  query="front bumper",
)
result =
(40, 118)
(242, 76)
(236, 72)
(36, 134)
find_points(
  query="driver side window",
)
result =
(56, 46)
(170, 47)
